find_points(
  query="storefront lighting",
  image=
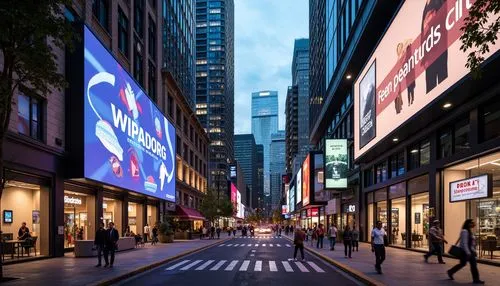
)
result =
(447, 105)
(395, 139)
(414, 151)
(348, 76)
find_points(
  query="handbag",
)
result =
(456, 250)
(386, 240)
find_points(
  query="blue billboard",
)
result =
(128, 142)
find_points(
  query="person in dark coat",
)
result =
(110, 244)
(99, 242)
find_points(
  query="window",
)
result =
(397, 164)
(170, 106)
(425, 153)
(152, 38)
(138, 16)
(29, 116)
(461, 136)
(368, 177)
(122, 32)
(138, 62)
(152, 81)
(413, 160)
(490, 120)
(445, 144)
(100, 9)
(381, 172)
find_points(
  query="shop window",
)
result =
(381, 172)
(420, 221)
(461, 136)
(122, 32)
(445, 144)
(425, 153)
(413, 157)
(135, 219)
(100, 9)
(30, 204)
(112, 212)
(398, 222)
(397, 164)
(29, 116)
(418, 185)
(490, 119)
(79, 218)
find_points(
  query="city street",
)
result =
(262, 260)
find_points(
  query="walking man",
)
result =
(437, 239)
(355, 239)
(321, 235)
(99, 242)
(332, 236)
(110, 244)
(378, 246)
(347, 238)
(218, 230)
(298, 240)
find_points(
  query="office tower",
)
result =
(277, 167)
(265, 123)
(260, 175)
(245, 153)
(300, 78)
(215, 83)
(291, 127)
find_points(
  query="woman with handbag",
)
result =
(467, 252)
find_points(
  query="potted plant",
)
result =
(165, 233)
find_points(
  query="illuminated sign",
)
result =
(479, 187)
(72, 200)
(336, 163)
(415, 62)
(232, 171)
(306, 182)
(284, 209)
(299, 186)
(128, 142)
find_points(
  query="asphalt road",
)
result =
(245, 261)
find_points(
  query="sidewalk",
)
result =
(69, 270)
(402, 267)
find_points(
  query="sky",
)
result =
(264, 32)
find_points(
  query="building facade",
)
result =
(291, 126)
(265, 123)
(260, 175)
(215, 83)
(277, 167)
(300, 78)
(245, 153)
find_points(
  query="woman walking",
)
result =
(468, 246)
(347, 238)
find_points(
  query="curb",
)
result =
(154, 265)
(349, 270)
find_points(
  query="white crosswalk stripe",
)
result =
(272, 266)
(222, 245)
(191, 264)
(244, 265)
(177, 265)
(278, 245)
(315, 267)
(231, 265)
(241, 245)
(264, 245)
(288, 267)
(270, 245)
(249, 245)
(218, 265)
(229, 244)
(204, 265)
(288, 245)
(256, 245)
(235, 245)
(258, 266)
(301, 266)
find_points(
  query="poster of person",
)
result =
(367, 107)
(336, 163)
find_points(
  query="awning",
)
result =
(184, 213)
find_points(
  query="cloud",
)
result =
(265, 31)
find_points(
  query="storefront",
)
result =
(79, 217)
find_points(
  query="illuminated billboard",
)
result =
(336, 161)
(128, 143)
(306, 182)
(298, 186)
(320, 194)
(291, 196)
(415, 62)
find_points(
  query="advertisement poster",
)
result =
(232, 171)
(306, 180)
(479, 187)
(320, 194)
(367, 107)
(35, 216)
(291, 195)
(284, 209)
(299, 186)
(416, 61)
(128, 142)
(336, 163)
(234, 197)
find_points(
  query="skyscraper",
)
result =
(215, 83)
(260, 175)
(245, 153)
(265, 123)
(300, 78)
(291, 126)
(277, 166)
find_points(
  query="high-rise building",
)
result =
(245, 153)
(291, 126)
(265, 123)
(215, 83)
(277, 166)
(260, 175)
(179, 45)
(300, 78)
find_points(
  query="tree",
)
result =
(480, 29)
(30, 34)
(277, 217)
(213, 207)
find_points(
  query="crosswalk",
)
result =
(257, 237)
(233, 245)
(247, 266)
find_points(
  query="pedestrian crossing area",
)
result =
(247, 266)
(271, 245)
(257, 237)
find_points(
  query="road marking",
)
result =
(191, 264)
(253, 250)
(287, 266)
(301, 266)
(288, 245)
(242, 245)
(229, 245)
(249, 245)
(258, 266)
(315, 267)
(270, 245)
(272, 266)
(231, 265)
(278, 245)
(257, 245)
(218, 265)
(177, 265)
(244, 266)
(252, 255)
(222, 245)
(204, 265)
(236, 245)
(264, 245)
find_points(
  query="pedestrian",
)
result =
(437, 239)
(218, 230)
(291, 229)
(212, 232)
(279, 232)
(321, 236)
(355, 239)
(287, 229)
(99, 242)
(229, 231)
(146, 233)
(111, 241)
(378, 246)
(298, 241)
(347, 239)
(468, 247)
(332, 236)
(154, 234)
(234, 232)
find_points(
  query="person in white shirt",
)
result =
(332, 236)
(378, 246)
(146, 233)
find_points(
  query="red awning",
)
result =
(187, 213)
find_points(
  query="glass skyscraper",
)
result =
(245, 153)
(265, 123)
(277, 166)
(215, 83)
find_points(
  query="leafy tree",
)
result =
(277, 217)
(213, 206)
(30, 34)
(481, 30)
